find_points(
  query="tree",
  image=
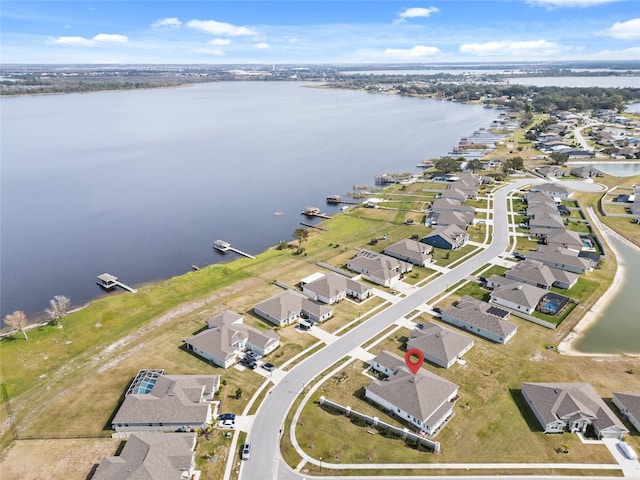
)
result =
(474, 165)
(559, 158)
(282, 244)
(238, 393)
(17, 320)
(447, 165)
(301, 235)
(59, 308)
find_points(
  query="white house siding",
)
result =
(626, 413)
(216, 361)
(286, 321)
(471, 328)
(397, 411)
(439, 361)
(512, 305)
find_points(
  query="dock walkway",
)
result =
(225, 247)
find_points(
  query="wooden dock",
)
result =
(225, 247)
(313, 226)
(108, 281)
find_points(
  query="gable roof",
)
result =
(419, 395)
(452, 234)
(439, 342)
(172, 399)
(564, 237)
(563, 401)
(150, 456)
(412, 249)
(282, 305)
(631, 401)
(553, 188)
(562, 256)
(331, 284)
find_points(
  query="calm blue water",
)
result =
(140, 183)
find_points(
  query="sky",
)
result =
(307, 31)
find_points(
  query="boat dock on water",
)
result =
(314, 212)
(108, 281)
(225, 247)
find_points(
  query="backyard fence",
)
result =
(404, 433)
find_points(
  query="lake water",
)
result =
(140, 183)
(617, 329)
(621, 169)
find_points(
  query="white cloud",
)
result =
(419, 51)
(110, 37)
(261, 45)
(220, 28)
(416, 12)
(536, 48)
(629, 30)
(220, 41)
(568, 3)
(627, 54)
(167, 22)
(86, 42)
(211, 51)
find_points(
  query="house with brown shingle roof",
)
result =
(439, 345)
(159, 402)
(480, 318)
(378, 268)
(425, 400)
(152, 456)
(571, 407)
(227, 338)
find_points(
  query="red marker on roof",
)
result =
(414, 366)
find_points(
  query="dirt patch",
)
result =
(68, 459)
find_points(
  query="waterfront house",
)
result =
(480, 318)
(378, 268)
(629, 405)
(518, 296)
(424, 400)
(545, 222)
(540, 275)
(450, 237)
(158, 402)
(562, 258)
(564, 238)
(439, 345)
(152, 456)
(551, 171)
(554, 190)
(227, 338)
(289, 306)
(571, 407)
(331, 288)
(586, 172)
(411, 251)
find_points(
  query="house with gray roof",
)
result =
(480, 318)
(158, 402)
(629, 405)
(227, 338)
(571, 407)
(518, 296)
(444, 218)
(442, 204)
(540, 275)
(454, 193)
(378, 268)
(152, 456)
(540, 208)
(538, 198)
(289, 306)
(586, 172)
(331, 288)
(546, 221)
(564, 238)
(561, 258)
(554, 190)
(411, 251)
(439, 345)
(552, 171)
(449, 238)
(425, 400)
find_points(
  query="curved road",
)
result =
(265, 462)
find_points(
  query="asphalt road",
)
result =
(265, 462)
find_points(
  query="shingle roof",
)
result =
(283, 304)
(419, 395)
(451, 234)
(417, 251)
(332, 284)
(631, 401)
(559, 257)
(532, 272)
(562, 401)
(476, 313)
(519, 293)
(439, 342)
(150, 456)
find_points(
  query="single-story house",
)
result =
(330, 288)
(227, 338)
(411, 251)
(540, 275)
(551, 171)
(518, 296)
(444, 218)
(443, 204)
(538, 198)
(562, 258)
(571, 407)
(565, 239)
(586, 172)
(553, 190)
(629, 405)
(289, 306)
(450, 237)
(424, 400)
(158, 402)
(378, 268)
(547, 221)
(480, 318)
(454, 193)
(439, 345)
(152, 456)
(540, 208)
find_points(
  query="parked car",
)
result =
(420, 326)
(249, 363)
(251, 355)
(269, 367)
(437, 309)
(628, 452)
(519, 256)
(246, 451)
